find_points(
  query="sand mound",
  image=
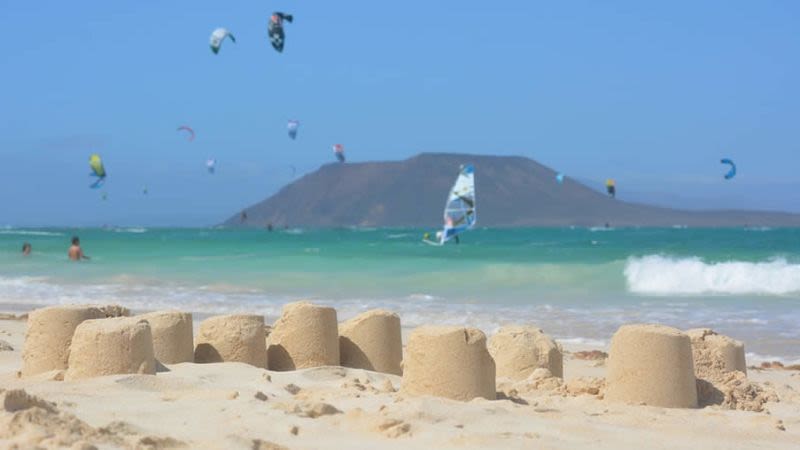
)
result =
(30, 422)
(306, 335)
(314, 410)
(111, 346)
(392, 428)
(720, 367)
(732, 390)
(519, 350)
(539, 382)
(450, 362)
(17, 400)
(172, 336)
(651, 364)
(110, 311)
(372, 341)
(584, 386)
(49, 334)
(232, 338)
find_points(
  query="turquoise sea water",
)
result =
(577, 284)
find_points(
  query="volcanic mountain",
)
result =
(511, 191)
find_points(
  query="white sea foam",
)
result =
(137, 230)
(664, 275)
(30, 232)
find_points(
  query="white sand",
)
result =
(235, 405)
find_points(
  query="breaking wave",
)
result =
(663, 275)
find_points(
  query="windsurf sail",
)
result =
(459, 211)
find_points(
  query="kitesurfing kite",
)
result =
(292, 127)
(211, 165)
(459, 211)
(144, 190)
(97, 171)
(560, 178)
(611, 188)
(188, 129)
(338, 150)
(732, 172)
(275, 29)
(217, 36)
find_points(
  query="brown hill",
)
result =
(511, 191)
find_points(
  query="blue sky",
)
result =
(652, 94)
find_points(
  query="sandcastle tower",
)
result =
(519, 350)
(172, 336)
(49, 334)
(232, 338)
(651, 364)
(306, 335)
(111, 346)
(716, 352)
(372, 341)
(450, 362)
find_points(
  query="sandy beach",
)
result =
(236, 405)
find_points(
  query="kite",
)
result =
(732, 172)
(275, 29)
(217, 36)
(98, 170)
(189, 129)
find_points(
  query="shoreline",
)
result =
(234, 405)
(570, 344)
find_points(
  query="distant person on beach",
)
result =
(75, 250)
(26, 249)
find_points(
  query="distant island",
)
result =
(511, 191)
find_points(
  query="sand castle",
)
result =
(49, 334)
(111, 346)
(715, 352)
(651, 364)
(172, 336)
(306, 335)
(372, 341)
(519, 350)
(450, 362)
(232, 338)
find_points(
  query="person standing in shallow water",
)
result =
(26, 249)
(75, 250)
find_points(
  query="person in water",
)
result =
(26, 249)
(75, 250)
